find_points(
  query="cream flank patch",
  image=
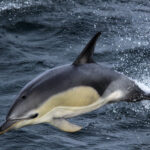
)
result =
(75, 97)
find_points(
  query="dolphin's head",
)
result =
(25, 109)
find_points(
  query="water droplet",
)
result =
(94, 26)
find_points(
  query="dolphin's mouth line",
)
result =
(8, 124)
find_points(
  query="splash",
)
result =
(18, 4)
(5, 5)
(145, 88)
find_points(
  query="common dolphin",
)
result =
(70, 90)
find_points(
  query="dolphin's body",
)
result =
(68, 91)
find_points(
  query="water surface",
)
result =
(37, 35)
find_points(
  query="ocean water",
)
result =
(37, 35)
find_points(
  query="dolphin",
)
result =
(70, 90)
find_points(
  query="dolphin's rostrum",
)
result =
(70, 90)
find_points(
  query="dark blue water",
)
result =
(36, 35)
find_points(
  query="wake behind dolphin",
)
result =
(69, 91)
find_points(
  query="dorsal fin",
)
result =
(87, 53)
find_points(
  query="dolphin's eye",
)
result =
(23, 97)
(33, 116)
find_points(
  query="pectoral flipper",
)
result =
(65, 125)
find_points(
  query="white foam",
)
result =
(9, 5)
(143, 87)
(146, 89)
(18, 4)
